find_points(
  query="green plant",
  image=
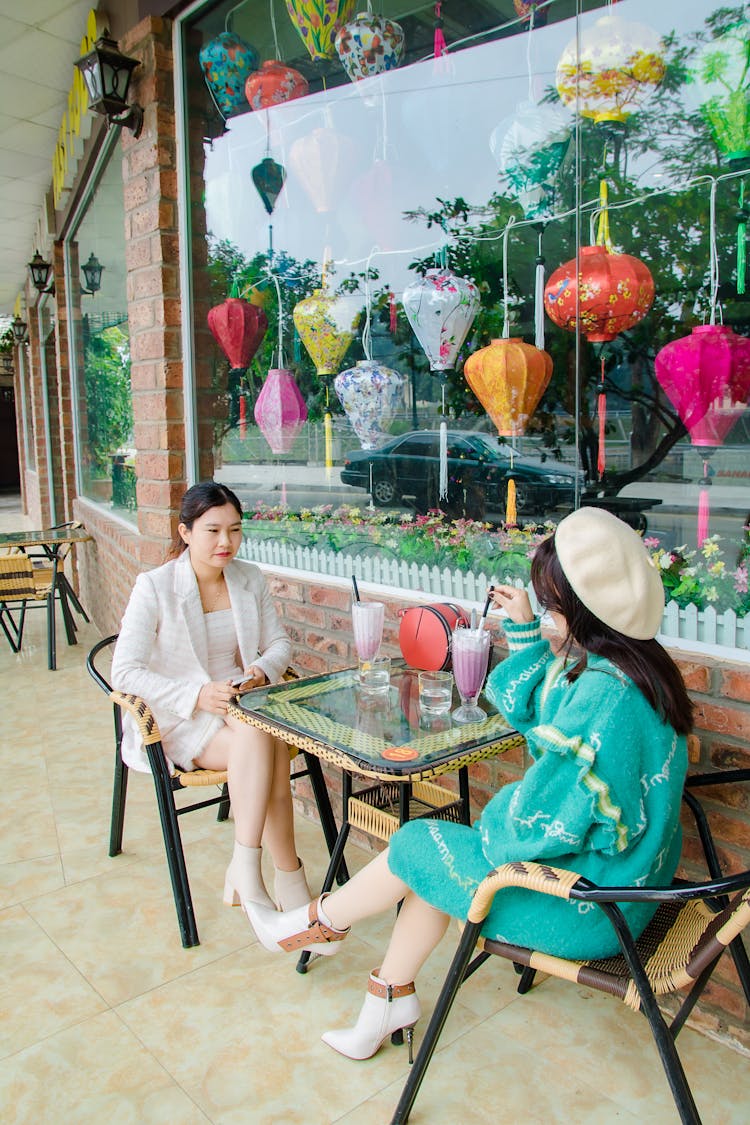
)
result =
(715, 574)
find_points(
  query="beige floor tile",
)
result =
(28, 878)
(41, 992)
(28, 825)
(93, 1073)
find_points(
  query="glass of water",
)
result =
(435, 692)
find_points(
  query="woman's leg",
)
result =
(248, 756)
(278, 833)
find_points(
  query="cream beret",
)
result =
(610, 570)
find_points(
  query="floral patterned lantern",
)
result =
(326, 323)
(371, 394)
(532, 11)
(322, 162)
(369, 45)
(238, 328)
(280, 410)
(441, 308)
(723, 77)
(529, 149)
(318, 22)
(273, 84)
(612, 292)
(706, 376)
(620, 63)
(509, 378)
(226, 62)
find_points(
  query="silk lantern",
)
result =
(706, 376)
(280, 410)
(529, 149)
(318, 23)
(238, 328)
(441, 308)
(268, 177)
(322, 162)
(326, 323)
(226, 62)
(509, 378)
(274, 83)
(371, 395)
(612, 70)
(613, 292)
(369, 45)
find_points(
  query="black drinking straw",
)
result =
(356, 589)
(487, 605)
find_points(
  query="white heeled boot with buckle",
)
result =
(244, 880)
(389, 1009)
(305, 929)
(291, 889)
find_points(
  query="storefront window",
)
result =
(404, 248)
(101, 346)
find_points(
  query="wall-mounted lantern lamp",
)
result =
(107, 75)
(20, 330)
(92, 271)
(40, 270)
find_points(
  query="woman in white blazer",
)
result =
(193, 626)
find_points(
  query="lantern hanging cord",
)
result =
(490, 31)
(275, 280)
(231, 12)
(367, 330)
(714, 257)
(272, 14)
(506, 234)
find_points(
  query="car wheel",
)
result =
(383, 492)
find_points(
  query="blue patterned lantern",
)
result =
(227, 61)
(371, 395)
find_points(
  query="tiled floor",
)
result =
(106, 1019)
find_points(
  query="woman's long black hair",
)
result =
(647, 664)
(195, 503)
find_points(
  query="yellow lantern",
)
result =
(509, 378)
(318, 22)
(326, 323)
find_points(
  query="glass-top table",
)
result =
(381, 738)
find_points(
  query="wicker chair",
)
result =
(166, 785)
(22, 584)
(693, 926)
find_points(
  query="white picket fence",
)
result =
(706, 626)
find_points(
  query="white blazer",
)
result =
(162, 651)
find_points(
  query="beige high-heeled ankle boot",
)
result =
(389, 1009)
(297, 931)
(291, 889)
(244, 880)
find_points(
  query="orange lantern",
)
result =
(509, 378)
(273, 84)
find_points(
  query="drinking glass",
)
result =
(435, 692)
(471, 653)
(367, 626)
(375, 675)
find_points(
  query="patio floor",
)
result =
(105, 1018)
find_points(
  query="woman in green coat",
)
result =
(605, 720)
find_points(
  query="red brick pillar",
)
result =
(152, 259)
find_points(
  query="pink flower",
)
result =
(740, 579)
(651, 542)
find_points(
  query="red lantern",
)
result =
(706, 376)
(273, 84)
(615, 292)
(509, 378)
(238, 328)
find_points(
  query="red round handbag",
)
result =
(424, 635)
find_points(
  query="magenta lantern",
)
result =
(238, 328)
(706, 376)
(280, 410)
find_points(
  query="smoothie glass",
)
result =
(367, 626)
(471, 653)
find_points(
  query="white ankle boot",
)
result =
(244, 881)
(296, 931)
(387, 1010)
(291, 889)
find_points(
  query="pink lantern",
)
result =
(706, 376)
(280, 410)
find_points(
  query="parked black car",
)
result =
(406, 469)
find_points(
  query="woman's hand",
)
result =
(515, 602)
(215, 697)
(253, 677)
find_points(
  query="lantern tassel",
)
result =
(742, 217)
(539, 298)
(704, 506)
(243, 417)
(443, 481)
(511, 511)
(328, 432)
(440, 47)
(392, 312)
(601, 406)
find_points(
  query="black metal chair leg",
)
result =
(119, 795)
(453, 982)
(51, 634)
(173, 846)
(73, 597)
(224, 803)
